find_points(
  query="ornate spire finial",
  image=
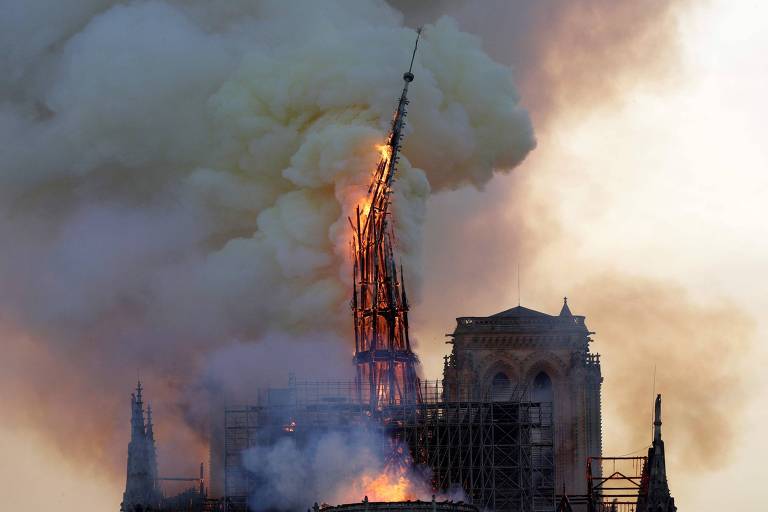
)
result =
(565, 311)
(149, 428)
(408, 76)
(657, 419)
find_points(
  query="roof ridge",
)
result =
(520, 311)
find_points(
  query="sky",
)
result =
(689, 204)
(643, 204)
(664, 184)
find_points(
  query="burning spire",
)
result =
(386, 365)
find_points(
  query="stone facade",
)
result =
(549, 356)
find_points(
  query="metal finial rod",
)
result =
(415, 47)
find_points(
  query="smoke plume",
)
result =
(334, 467)
(175, 185)
(653, 335)
(570, 55)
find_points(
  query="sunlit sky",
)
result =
(672, 181)
(680, 173)
(684, 185)
(674, 173)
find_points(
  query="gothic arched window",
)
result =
(543, 397)
(542, 388)
(542, 393)
(501, 387)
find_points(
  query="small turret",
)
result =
(654, 493)
(149, 428)
(657, 420)
(202, 481)
(151, 447)
(141, 488)
(137, 414)
(565, 311)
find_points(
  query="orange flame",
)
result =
(384, 150)
(394, 482)
(365, 208)
(389, 485)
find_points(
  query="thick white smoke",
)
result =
(177, 175)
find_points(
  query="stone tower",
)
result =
(549, 355)
(141, 489)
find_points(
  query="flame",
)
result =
(365, 208)
(394, 481)
(364, 201)
(384, 151)
(389, 485)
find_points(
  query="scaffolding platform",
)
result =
(499, 451)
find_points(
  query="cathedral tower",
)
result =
(549, 355)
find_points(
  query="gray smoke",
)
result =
(335, 467)
(177, 175)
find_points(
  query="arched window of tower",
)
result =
(542, 388)
(501, 388)
(541, 392)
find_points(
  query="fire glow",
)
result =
(384, 151)
(392, 484)
(395, 481)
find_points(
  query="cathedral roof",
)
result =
(522, 320)
(520, 311)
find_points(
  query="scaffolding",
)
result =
(613, 484)
(499, 452)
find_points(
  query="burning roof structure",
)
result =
(383, 355)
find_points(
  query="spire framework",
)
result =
(386, 365)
